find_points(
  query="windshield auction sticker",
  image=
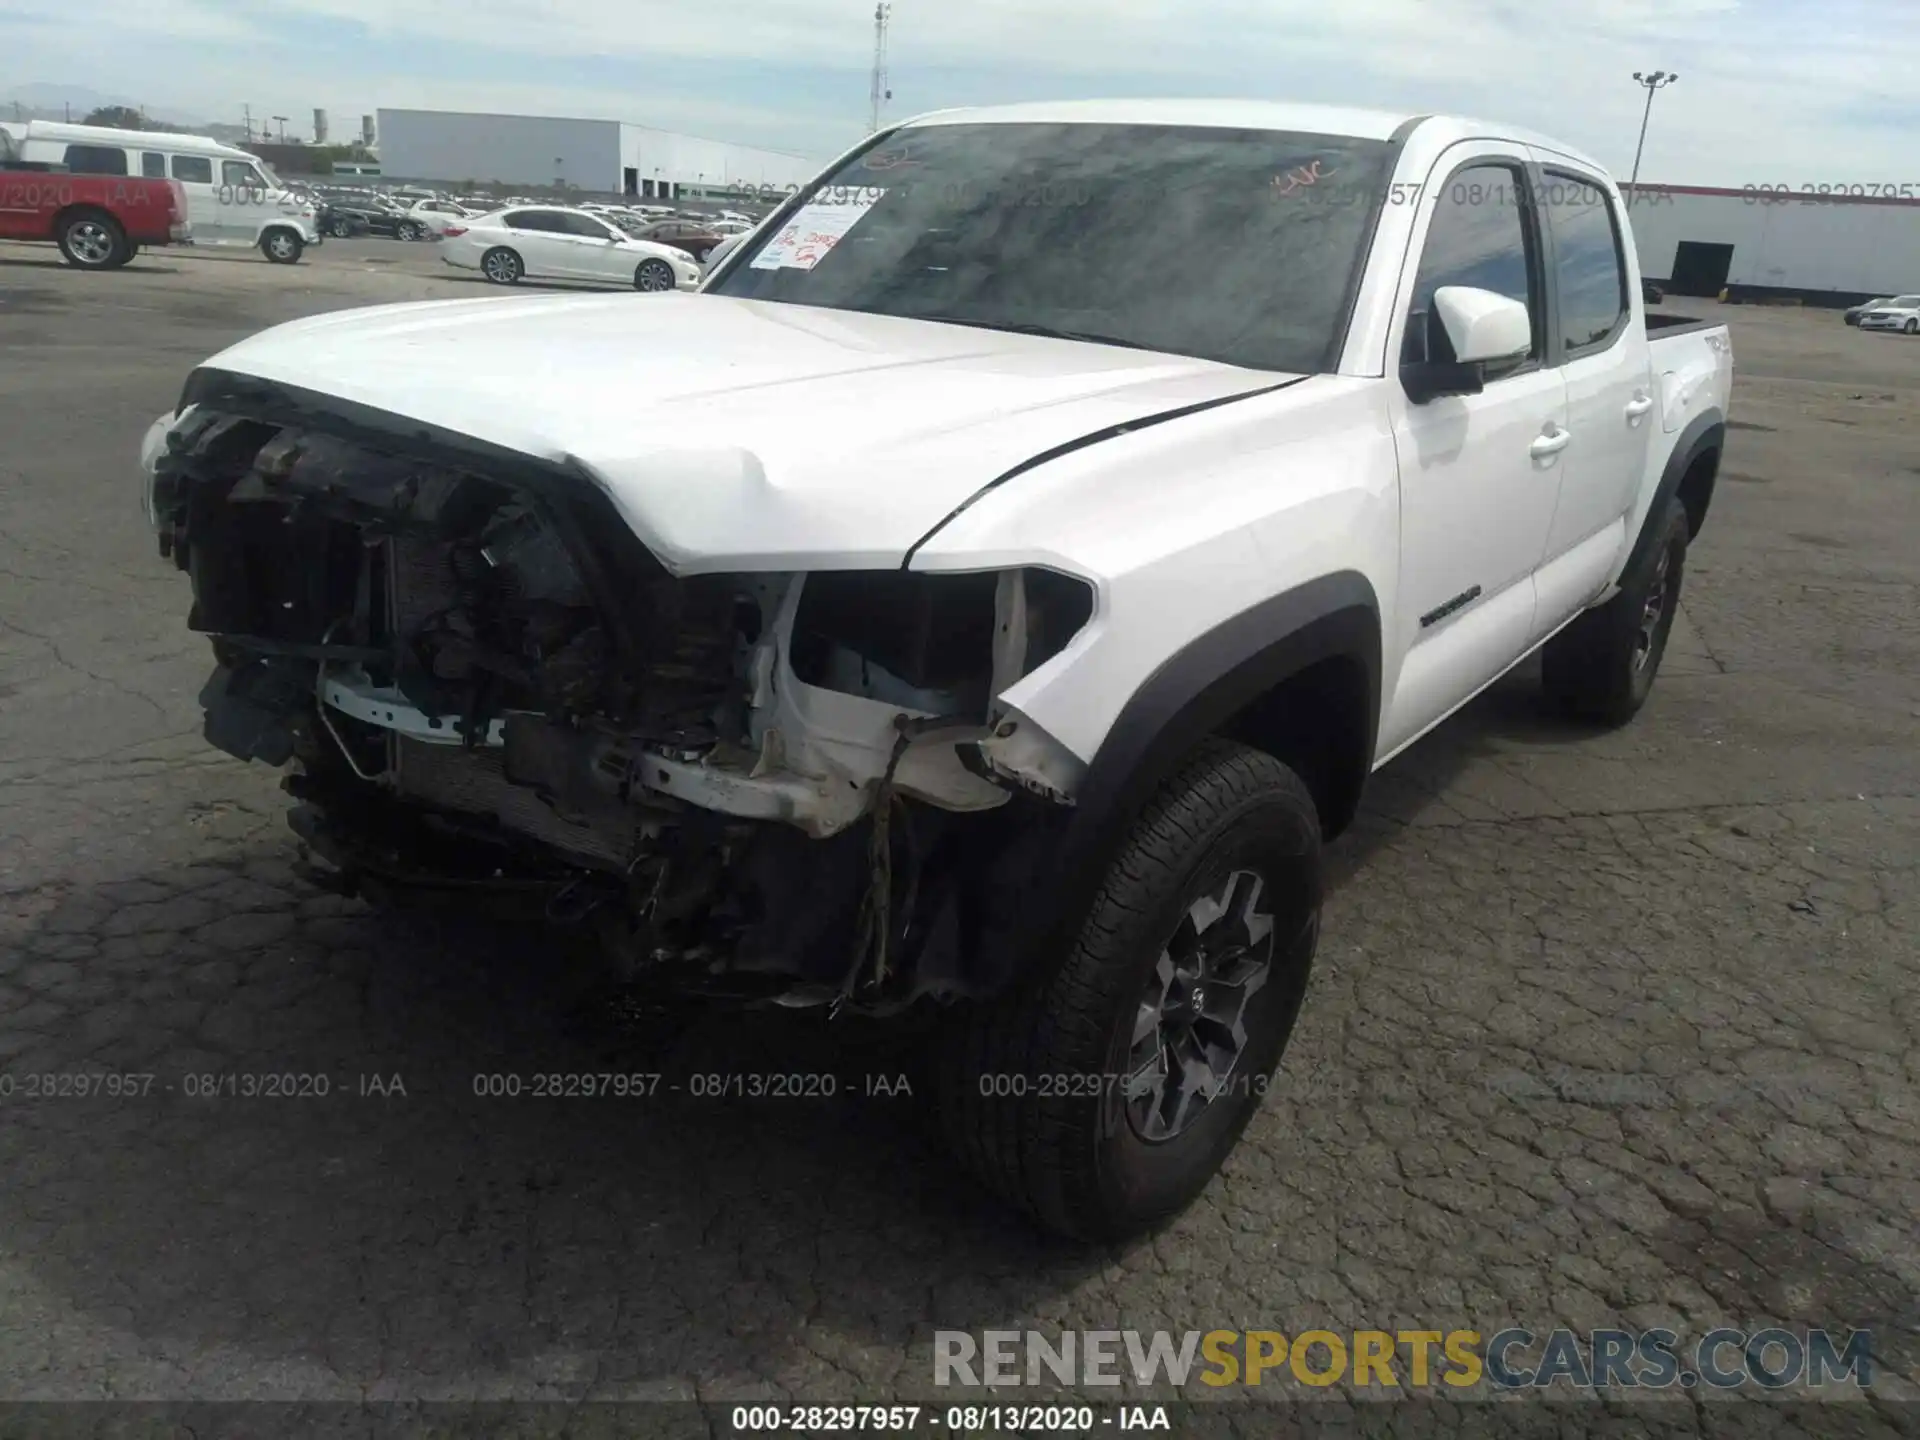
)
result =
(815, 229)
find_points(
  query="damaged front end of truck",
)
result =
(789, 787)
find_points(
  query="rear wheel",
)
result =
(282, 246)
(340, 227)
(1601, 667)
(411, 230)
(92, 240)
(1104, 1093)
(653, 276)
(502, 266)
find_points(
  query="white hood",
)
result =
(738, 434)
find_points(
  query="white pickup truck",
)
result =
(985, 597)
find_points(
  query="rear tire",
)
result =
(410, 230)
(340, 228)
(1061, 1097)
(282, 246)
(1601, 668)
(92, 240)
(502, 266)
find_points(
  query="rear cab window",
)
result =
(1589, 262)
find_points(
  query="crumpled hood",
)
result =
(738, 434)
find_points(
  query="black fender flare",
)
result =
(1707, 432)
(1191, 695)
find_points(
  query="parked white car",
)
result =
(548, 242)
(1900, 313)
(942, 612)
(434, 216)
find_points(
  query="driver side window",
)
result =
(1483, 234)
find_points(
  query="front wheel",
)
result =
(1912, 327)
(411, 231)
(282, 247)
(653, 276)
(1601, 668)
(1103, 1094)
(92, 240)
(502, 266)
(340, 228)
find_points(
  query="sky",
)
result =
(1788, 92)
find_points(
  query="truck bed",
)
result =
(1663, 327)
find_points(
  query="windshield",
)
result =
(1232, 245)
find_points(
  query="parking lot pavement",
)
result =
(1606, 1029)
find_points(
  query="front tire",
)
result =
(92, 240)
(340, 228)
(282, 247)
(1102, 1095)
(653, 276)
(502, 266)
(1601, 668)
(1912, 327)
(409, 230)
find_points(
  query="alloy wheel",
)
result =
(1651, 612)
(1189, 1028)
(91, 242)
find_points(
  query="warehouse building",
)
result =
(1759, 243)
(600, 156)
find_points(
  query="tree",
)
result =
(117, 117)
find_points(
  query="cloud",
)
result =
(1770, 90)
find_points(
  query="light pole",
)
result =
(283, 128)
(1658, 80)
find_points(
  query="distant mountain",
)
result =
(58, 102)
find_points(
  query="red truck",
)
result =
(98, 221)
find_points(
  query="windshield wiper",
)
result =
(1046, 332)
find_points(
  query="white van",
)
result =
(233, 198)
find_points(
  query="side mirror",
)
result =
(1483, 326)
(1480, 327)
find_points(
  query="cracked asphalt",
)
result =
(1606, 1029)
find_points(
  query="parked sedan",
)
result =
(692, 236)
(364, 213)
(1901, 313)
(1853, 312)
(551, 243)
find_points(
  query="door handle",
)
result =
(1638, 406)
(1551, 442)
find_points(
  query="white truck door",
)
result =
(1600, 342)
(1479, 474)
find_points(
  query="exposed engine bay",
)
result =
(783, 787)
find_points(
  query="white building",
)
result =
(603, 156)
(1698, 240)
